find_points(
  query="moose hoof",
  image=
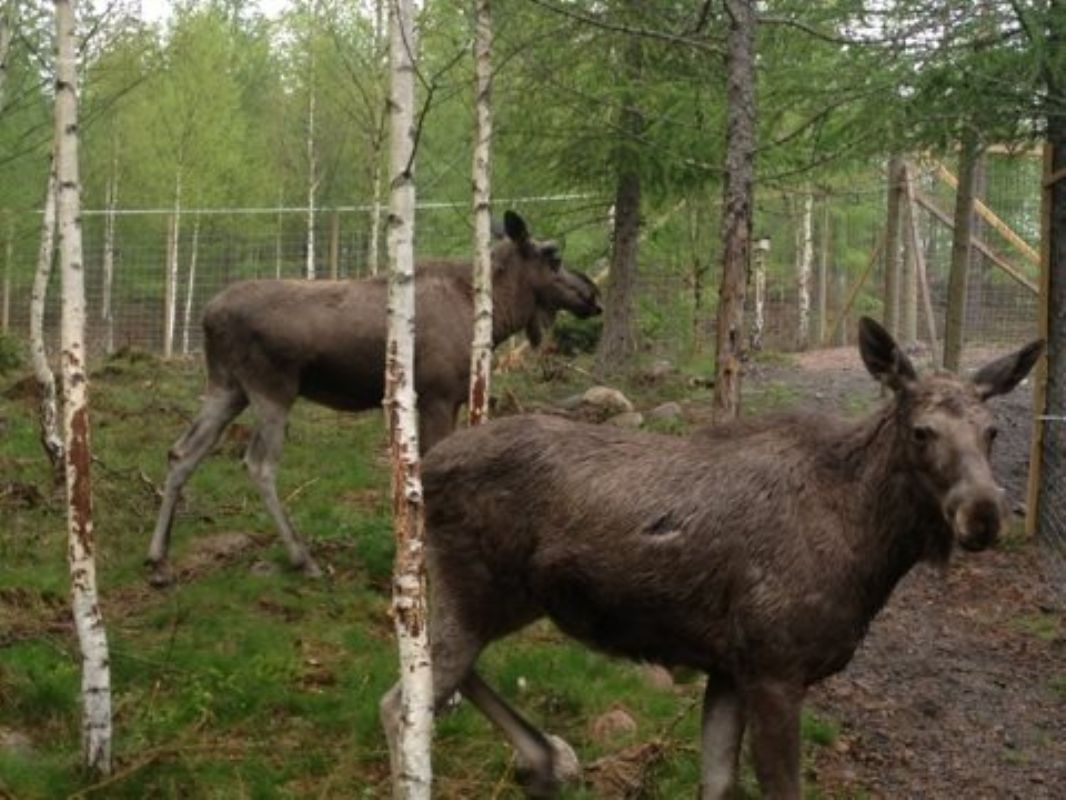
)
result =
(310, 569)
(160, 575)
(548, 780)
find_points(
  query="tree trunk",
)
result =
(334, 245)
(758, 316)
(170, 294)
(412, 772)
(1050, 462)
(841, 295)
(908, 305)
(7, 8)
(107, 311)
(373, 255)
(737, 204)
(9, 257)
(481, 350)
(190, 291)
(955, 323)
(51, 437)
(277, 244)
(892, 246)
(619, 339)
(823, 274)
(92, 638)
(978, 262)
(804, 264)
(312, 168)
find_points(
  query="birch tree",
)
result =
(51, 438)
(804, 268)
(412, 774)
(737, 203)
(107, 311)
(190, 290)
(312, 166)
(170, 293)
(88, 621)
(481, 351)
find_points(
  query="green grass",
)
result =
(241, 684)
(1046, 627)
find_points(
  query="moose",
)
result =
(756, 551)
(268, 342)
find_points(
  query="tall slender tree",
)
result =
(51, 436)
(958, 276)
(412, 775)
(88, 621)
(481, 352)
(736, 204)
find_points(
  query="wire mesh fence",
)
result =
(1051, 518)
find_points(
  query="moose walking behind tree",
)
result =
(269, 342)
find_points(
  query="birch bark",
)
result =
(51, 437)
(481, 351)
(414, 773)
(190, 291)
(107, 312)
(170, 295)
(804, 264)
(92, 638)
(312, 167)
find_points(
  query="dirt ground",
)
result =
(959, 690)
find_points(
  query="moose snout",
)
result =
(976, 515)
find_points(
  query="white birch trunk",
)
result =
(51, 438)
(170, 313)
(804, 264)
(374, 249)
(481, 350)
(107, 312)
(312, 168)
(758, 268)
(9, 256)
(413, 775)
(92, 638)
(191, 289)
(277, 242)
(823, 274)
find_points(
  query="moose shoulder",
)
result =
(269, 342)
(757, 552)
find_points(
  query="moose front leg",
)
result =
(774, 709)
(723, 730)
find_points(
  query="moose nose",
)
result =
(977, 517)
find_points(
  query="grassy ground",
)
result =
(245, 680)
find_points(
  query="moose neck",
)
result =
(513, 303)
(895, 521)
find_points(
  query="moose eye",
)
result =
(923, 434)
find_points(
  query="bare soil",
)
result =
(959, 690)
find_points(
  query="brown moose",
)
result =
(268, 342)
(757, 552)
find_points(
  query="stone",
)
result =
(629, 419)
(610, 400)
(665, 411)
(657, 677)
(613, 724)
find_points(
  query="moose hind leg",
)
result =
(545, 762)
(775, 738)
(723, 730)
(261, 458)
(219, 408)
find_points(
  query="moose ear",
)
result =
(882, 356)
(515, 228)
(1005, 373)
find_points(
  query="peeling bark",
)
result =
(737, 204)
(412, 775)
(51, 437)
(481, 350)
(92, 638)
